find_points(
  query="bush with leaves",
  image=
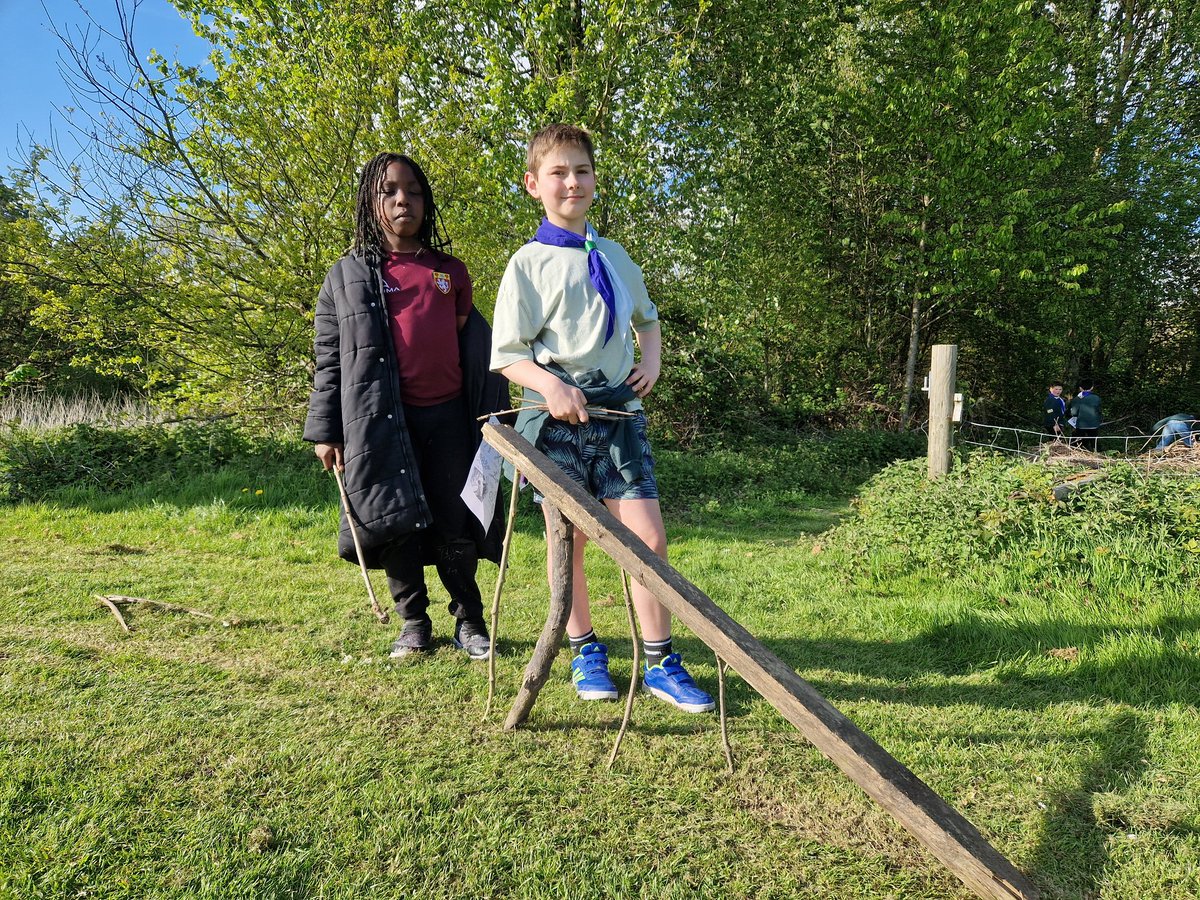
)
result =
(34, 463)
(753, 465)
(1129, 525)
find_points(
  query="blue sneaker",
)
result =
(589, 673)
(670, 681)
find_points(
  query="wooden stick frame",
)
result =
(943, 830)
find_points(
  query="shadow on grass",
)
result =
(1095, 666)
(1071, 848)
(1071, 840)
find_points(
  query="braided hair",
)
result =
(368, 233)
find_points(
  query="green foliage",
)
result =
(22, 374)
(817, 192)
(36, 463)
(765, 464)
(1127, 528)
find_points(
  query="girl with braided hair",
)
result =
(401, 372)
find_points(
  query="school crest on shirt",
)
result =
(441, 281)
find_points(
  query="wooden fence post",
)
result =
(941, 407)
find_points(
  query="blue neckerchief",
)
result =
(549, 233)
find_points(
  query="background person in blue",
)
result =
(1055, 409)
(1175, 428)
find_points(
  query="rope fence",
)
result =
(1026, 442)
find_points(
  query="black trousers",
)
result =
(1085, 438)
(443, 442)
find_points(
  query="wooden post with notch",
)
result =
(941, 407)
(560, 541)
(944, 831)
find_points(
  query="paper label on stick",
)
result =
(483, 482)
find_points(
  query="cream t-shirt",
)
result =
(548, 310)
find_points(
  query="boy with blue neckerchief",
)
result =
(569, 308)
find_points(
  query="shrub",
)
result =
(993, 508)
(751, 466)
(34, 463)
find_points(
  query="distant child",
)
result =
(1085, 410)
(1055, 408)
(562, 330)
(1175, 428)
(401, 370)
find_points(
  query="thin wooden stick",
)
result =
(506, 412)
(375, 608)
(114, 601)
(637, 668)
(116, 612)
(602, 411)
(595, 410)
(508, 533)
(721, 666)
(121, 600)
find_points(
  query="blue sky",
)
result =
(31, 85)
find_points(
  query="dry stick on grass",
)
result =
(114, 601)
(637, 668)
(721, 667)
(375, 608)
(116, 612)
(508, 533)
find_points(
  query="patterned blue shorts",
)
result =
(582, 452)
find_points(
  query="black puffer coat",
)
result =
(355, 402)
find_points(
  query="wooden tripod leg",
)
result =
(560, 542)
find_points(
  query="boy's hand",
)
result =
(566, 403)
(330, 455)
(642, 377)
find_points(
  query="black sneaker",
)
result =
(472, 638)
(416, 637)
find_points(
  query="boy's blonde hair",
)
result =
(554, 136)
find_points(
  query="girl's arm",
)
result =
(324, 424)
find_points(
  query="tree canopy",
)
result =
(817, 192)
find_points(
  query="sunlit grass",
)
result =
(287, 756)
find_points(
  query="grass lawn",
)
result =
(288, 757)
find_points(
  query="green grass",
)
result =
(286, 757)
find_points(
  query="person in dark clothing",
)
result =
(401, 373)
(1085, 410)
(1055, 408)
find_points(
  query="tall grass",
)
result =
(34, 410)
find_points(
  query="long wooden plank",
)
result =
(941, 828)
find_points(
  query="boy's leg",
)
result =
(644, 518)
(664, 675)
(589, 657)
